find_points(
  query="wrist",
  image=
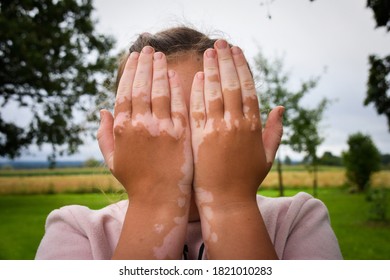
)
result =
(159, 195)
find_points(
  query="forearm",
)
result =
(235, 231)
(153, 232)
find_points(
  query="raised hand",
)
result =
(231, 154)
(147, 147)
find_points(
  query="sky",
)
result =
(330, 38)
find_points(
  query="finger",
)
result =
(160, 88)
(105, 137)
(248, 89)
(272, 133)
(197, 106)
(123, 95)
(197, 113)
(212, 86)
(140, 99)
(230, 82)
(179, 113)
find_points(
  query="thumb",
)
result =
(105, 137)
(272, 133)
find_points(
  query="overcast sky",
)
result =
(336, 35)
(312, 36)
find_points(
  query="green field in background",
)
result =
(23, 217)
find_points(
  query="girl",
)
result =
(187, 144)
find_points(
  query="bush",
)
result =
(361, 160)
(378, 200)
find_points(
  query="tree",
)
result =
(381, 9)
(287, 160)
(361, 160)
(56, 65)
(274, 90)
(92, 162)
(305, 137)
(378, 85)
(329, 159)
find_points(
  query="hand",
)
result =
(148, 149)
(232, 155)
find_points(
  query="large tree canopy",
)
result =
(378, 83)
(55, 64)
(381, 9)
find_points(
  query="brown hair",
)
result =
(172, 42)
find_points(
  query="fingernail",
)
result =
(171, 73)
(200, 75)
(281, 111)
(236, 50)
(210, 53)
(221, 44)
(147, 50)
(101, 116)
(134, 55)
(157, 55)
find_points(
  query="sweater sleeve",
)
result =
(79, 233)
(63, 239)
(310, 235)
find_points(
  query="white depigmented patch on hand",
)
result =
(181, 202)
(204, 196)
(146, 121)
(158, 228)
(246, 109)
(214, 237)
(162, 252)
(120, 121)
(208, 213)
(228, 120)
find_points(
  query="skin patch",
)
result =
(120, 99)
(228, 120)
(204, 196)
(214, 106)
(162, 77)
(161, 106)
(141, 103)
(162, 252)
(213, 78)
(181, 202)
(208, 213)
(120, 122)
(214, 237)
(179, 119)
(145, 121)
(158, 228)
(198, 118)
(187, 170)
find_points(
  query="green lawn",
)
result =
(359, 238)
(23, 216)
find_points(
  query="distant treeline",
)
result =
(329, 159)
(38, 164)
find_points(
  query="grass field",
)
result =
(27, 197)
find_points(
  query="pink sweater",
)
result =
(298, 226)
